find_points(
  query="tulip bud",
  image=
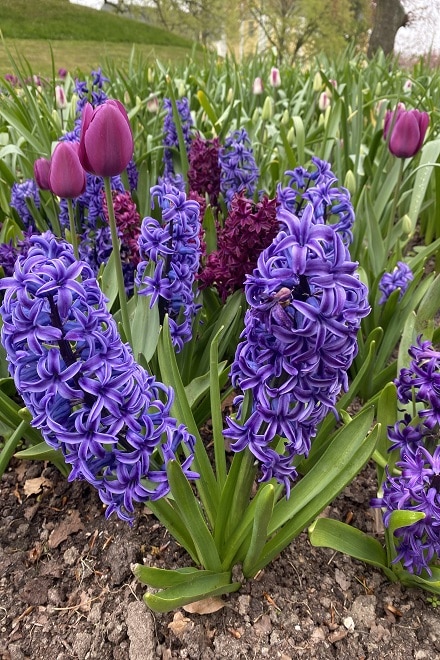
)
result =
(41, 173)
(256, 115)
(324, 101)
(285, 118)
(291, 135)
(60, 98)
(66, 175)
(257, 87)
(406, 225)
(407, 86)
(106, 145)
(350, 182)
(274, 77)
(153, 105)
(405, 130)
(230, 95)
(181, 89)
(317, 82)
(267, 112)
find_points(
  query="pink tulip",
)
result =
(275, 78)
(406, 130)
(258, 87)
(41, 173)
(106, 145)
(67, 177)
(60, 98)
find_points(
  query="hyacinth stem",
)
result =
(73, 234)
(118, 263)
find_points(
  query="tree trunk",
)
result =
(389, 16)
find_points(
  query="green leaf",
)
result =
(145, 328)
(42, 452)
(262, 515)
(428, 309)
(207, 486)
(386, 416)
(192, 517)
(429, 156)
(108, 281)
(195, 588)
(328, 533)
(351, 448)
(161, 578)
(198, 387)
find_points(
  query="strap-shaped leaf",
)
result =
(162, 578)
(262, 515)
(196, 588)
(189, 508)
(329, 533)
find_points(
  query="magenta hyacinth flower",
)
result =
(406, 130)
(67, 177)
(106, 144)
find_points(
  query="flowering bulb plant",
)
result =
(409, 481)
(119, 396)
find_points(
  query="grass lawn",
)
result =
(81, 56)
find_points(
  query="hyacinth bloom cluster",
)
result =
(85, 392)
(306, 303)
(399, 278)
(331, 203)
(170, 139)
(173, 248)
(20, 192)
(239, 171)
(204, 168)
(248, 229)
(9, 252)
(417, 487)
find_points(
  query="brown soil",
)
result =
(66, 589)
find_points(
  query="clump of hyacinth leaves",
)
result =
(87, 395)
(306, 303)
(416, 485)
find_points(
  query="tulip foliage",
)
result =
(264, 232)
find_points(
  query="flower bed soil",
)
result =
(66, 589)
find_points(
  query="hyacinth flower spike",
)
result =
(89, 398)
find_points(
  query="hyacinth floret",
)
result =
(331, 203)
(172, 247)
(20, 192)
(204, 168)
(87, 395)
(417, 487)
(306, 303)
(170, 139)
(399, 278)
(239, 171)
(248, 229)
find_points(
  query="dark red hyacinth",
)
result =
(248, 229)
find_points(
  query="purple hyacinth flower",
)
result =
(87, 395)
(306, 303)
(170, 139)
(399, 278)
(332, 204)
(417, 487)
(174, 247)
(239, 171)
(20, 192)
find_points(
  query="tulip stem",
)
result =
(73, 234)
(392, 217)
(118, 263)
